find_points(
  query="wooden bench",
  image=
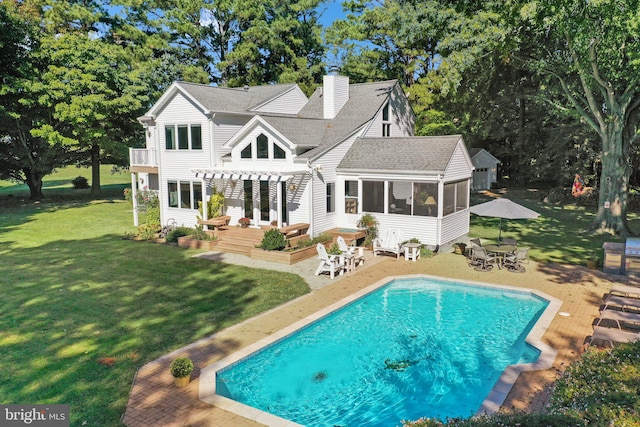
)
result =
(294, 229)
(219, 221)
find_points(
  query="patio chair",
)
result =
(482, 260)
(476, 242)
(612, 336)
(357, 252)
(618, 318)
(328, 263)
(513, 261)
(509, 241)
(390, 242)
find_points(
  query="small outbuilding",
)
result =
(485, 170)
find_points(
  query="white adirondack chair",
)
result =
(357, 252)
(328, 263)
(388, 242)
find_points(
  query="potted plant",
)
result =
(370, 225)
(592, 263)
(459, 248)
(244, 222)
(181, 369)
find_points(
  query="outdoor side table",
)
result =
(411, 251)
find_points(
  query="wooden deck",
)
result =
(238, 240)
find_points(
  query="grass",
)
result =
(75, 292)
(562, 233)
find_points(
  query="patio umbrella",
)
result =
(503, 209)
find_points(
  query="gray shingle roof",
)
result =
(309, 129)
(233, 100)
(365, 100)
(415, 154)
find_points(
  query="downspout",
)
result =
(440, 207)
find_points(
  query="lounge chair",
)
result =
(625, 291)
(357, 252)
(513, 261)
(618, 317)
(612, 336)
(329, 263)
(623, 303)
(481, 259)
(389, 242)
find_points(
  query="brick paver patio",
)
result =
(155, 401)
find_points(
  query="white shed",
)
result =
(485, 170)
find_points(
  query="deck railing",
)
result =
(143, 157)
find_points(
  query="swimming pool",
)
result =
(411, 347)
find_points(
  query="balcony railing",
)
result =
(143, 157)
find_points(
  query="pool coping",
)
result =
(491, 404)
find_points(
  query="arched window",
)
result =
(262, 146)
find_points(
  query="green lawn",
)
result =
(561, 234)
(74, 291)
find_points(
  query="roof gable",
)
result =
(213, 99)
(255, 122)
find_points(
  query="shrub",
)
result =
(602, 388)
(214, 205)
(201, 234)
(320, 238)
(181, 367)
(370, 225)
(334, 250)
(501, 420)
(273, 240)
(80, 183)
(147, 231)
(172, 236)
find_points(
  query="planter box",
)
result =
(188, 242)
(284, 257)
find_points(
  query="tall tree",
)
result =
(93, 85)
(592, 49)
(24, 157)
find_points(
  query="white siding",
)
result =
(423, 228)
(459, 166)
(176, 165)
(401, 118)
(290, 102)
(454, 227)
(323, 221)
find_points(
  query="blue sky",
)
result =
(329, 11)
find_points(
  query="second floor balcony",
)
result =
(143, 159)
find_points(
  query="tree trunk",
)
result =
(614, 184)
(95, 170)
(34, 182)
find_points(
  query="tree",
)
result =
(592, 49)
(24, 157)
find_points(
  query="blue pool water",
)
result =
(413, 348)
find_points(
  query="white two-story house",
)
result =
(282, 158)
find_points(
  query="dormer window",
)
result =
(264, 149)
(386, 121)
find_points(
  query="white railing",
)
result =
(143, 157)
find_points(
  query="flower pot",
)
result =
(182, 381)
(244, 225)
(591, 264)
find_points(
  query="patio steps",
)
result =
(240, 242)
